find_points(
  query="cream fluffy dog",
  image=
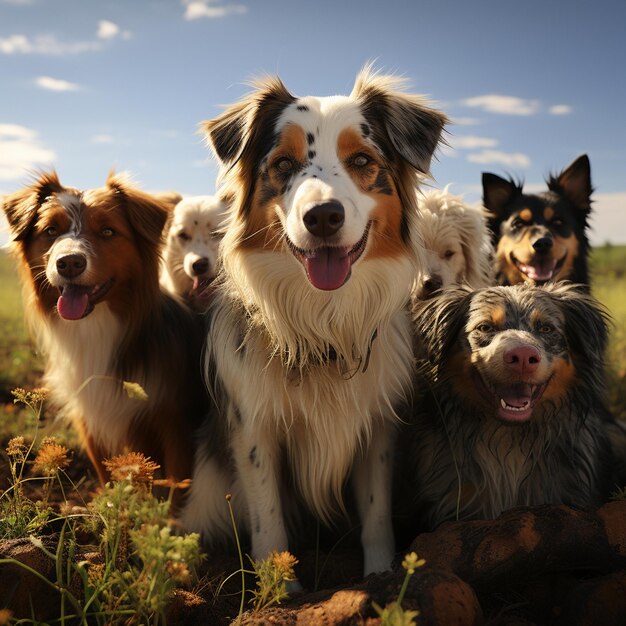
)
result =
(190, 255)
(456, 241)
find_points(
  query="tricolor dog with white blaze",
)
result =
(310, 340)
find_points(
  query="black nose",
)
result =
(324, 220)
(543, 244)
(201, 266)
(432, 283)
(71, 265)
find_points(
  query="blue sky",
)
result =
(90, 85)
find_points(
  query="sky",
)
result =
(87, 86)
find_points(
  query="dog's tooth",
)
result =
(503, 404)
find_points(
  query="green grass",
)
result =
(19, 365)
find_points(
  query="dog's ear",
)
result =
(440, 321)
(497, 192)
(586, 323)
(574, 182)
(21, 207)
(413, 128)
(249, 122)
(146, 214)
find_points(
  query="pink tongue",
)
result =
(540, 271)
(328, 268)
(518, 396)
(72, 304)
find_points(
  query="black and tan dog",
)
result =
(513, 409)
(541, 237)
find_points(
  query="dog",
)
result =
(191, 247)
(541, 237)
(512, 409)
(89, 261)
(310, 334)
(456, 241)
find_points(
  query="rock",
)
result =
(24, 593)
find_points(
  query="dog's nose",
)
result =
(543, 244)
(522, 359)
(200, 266)
(324, 220)
(432, 283)
(71, 265)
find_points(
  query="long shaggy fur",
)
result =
(464, 462)
(132, 332)
(313, 375)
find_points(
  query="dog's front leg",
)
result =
(372, 479)
(258, 466)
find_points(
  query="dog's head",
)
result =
(81, 248)
(540, 237)
(327, 181)
(191, 251)
(456, 241)
(510, 351)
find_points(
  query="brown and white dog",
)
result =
(513, 409)
(457, 243)
(90, 267)
(310, 334)
(191, 247)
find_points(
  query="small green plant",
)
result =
(19, 515)
(273, 574)
(393, 614)
(272, 577)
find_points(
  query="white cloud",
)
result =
(211, 9)
(44, 44)
(607, 218)
(509, 159)
(506, 105)
(560, 109)
(472, 142)
(465, 121)
(21, 151)
(102, 138)
(55, 84)
(110, 30)
(50, 45)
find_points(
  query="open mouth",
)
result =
(540, 270)
(329, 267)
(514, 402)
(78, 301)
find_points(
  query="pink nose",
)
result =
(522, 359)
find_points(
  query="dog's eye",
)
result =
(557, 221)
(484, 327)
(284, 165)
(517, 223)
(545, 328)
(51, 231)
(184, 236)
(360, 160)
(107, 232)
(448, 254)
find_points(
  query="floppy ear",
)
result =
(476, 246)
(439, 323)
(21, 207)
(497, 192)
(574, 182)
(146, 213)
(412, 128)
(586, 323)
(250, 121)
